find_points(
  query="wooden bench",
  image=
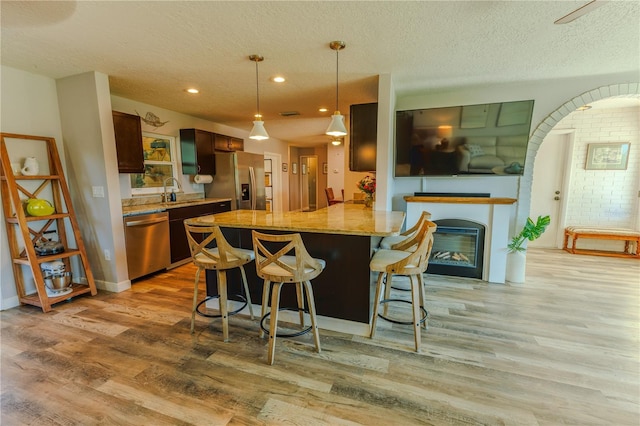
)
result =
(631, 240)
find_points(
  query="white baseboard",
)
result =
(113, 287)
(9, 302)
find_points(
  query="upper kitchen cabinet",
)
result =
(228, 143)
(364, 137)
(197, 147)
(128, 132)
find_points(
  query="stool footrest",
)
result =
(425, 314)
(299, 333)
(242, 300)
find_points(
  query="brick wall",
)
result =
(604, 198)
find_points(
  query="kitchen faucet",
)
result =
(164, 184)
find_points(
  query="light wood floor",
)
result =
(563, 348)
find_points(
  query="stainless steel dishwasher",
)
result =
(147, 242)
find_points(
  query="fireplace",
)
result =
(494, 214)
(458, 248)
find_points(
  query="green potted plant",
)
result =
(530, 232)
(516, 260)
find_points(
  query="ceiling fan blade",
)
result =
(582, 10)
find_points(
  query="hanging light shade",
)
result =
(258, 132)
(336, 127)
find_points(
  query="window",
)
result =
(159, 165)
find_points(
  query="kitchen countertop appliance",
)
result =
(57, 280)
(239, 176)
(147, 242)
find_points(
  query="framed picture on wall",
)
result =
(607, 156)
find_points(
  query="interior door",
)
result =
(547, 193)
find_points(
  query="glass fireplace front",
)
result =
(458, 249)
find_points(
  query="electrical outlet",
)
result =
(107, 255)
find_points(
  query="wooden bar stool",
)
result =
(410, 258)
(283, 259)
(220, 258)
(387, 243)
(390, 243)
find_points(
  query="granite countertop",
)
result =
(161, 207)
(343, 218)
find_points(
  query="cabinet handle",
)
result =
(145, 222)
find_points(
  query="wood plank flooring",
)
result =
(563, 348)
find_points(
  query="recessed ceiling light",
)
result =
(584, 108)
(194, 91)
(278, 79)
(323, 110)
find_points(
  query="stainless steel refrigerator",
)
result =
(239, 176)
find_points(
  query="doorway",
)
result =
(309, 183)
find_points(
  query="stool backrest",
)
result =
(283, 258)
(419, 245)
(225, 257)
(425, 215)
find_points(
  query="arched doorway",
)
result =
(547, 125)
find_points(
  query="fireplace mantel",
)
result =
(495, 213)
(459, 200)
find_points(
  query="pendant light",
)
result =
(336, 127)
(258, 132)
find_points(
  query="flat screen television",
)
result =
(486, 139)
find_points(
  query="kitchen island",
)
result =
(344, 235)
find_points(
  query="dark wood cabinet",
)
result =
(198, 150)
(228, 143)
(177, 234)
(128, 132)
(196, 147)
(363, 137)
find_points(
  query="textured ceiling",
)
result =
(152, 51)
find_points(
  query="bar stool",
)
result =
(220, 258)
(387, 243)
(283, 259)
(410, 258)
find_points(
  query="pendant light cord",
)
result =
(337, 64)
(257, 93)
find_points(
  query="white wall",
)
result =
(336, 165)
(604, 197)
(30, 107)
(87, 127)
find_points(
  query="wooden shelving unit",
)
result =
(23, 231)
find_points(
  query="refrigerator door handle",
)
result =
(252, 190)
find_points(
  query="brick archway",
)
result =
(541, 131)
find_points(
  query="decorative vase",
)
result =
(30, 166)
(368, 200)
(516, 266)
(38, 207)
